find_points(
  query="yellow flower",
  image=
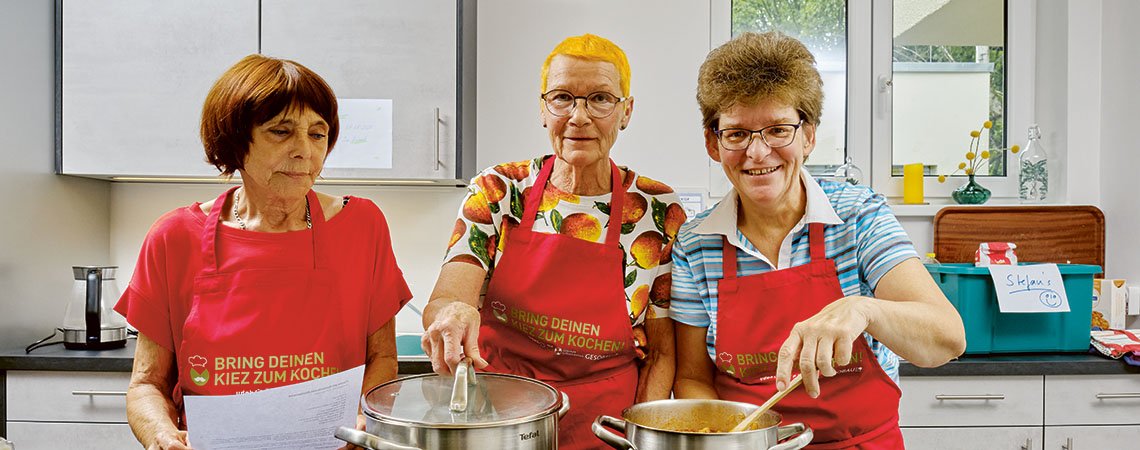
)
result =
(970, 171)
(942, 178)
(988, 124)
(961, 166)
(975, 133)
(1015, 149)
(970, 156)
(985, 154)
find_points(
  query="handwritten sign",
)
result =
(1029, 288)
(365, 140)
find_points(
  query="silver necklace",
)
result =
(241, 223)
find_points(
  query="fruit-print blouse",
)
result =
(650, 220)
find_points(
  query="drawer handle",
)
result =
(1108, 395)
(970, 397)
(100, 393)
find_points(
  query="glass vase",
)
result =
(971, 193)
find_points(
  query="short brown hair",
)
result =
(753, 67)
(250, 93)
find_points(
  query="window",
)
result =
(907, 80)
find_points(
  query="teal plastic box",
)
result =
(988, 330)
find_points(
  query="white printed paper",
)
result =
(298, 416)
(365, 140)
(692, 202)
(1031, 288)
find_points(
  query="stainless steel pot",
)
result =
(654, 425)
(428, 412)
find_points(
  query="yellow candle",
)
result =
(912, 183)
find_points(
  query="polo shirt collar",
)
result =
(722, 219)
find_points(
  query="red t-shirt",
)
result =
(355, 242)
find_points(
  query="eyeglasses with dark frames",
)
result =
(774, 136)
(599, 105)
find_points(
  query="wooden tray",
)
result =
(1056, 234)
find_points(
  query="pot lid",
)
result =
(494, 399)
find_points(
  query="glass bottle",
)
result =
(1033, 181)
(848, 172)
(930, 260)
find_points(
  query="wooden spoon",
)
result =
(747, 422)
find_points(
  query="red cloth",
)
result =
(857, 408)
(539, 321)
(354, 254)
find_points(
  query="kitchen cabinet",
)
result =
(391, 49)
(1091, 411)
(972, 438)
(134, 74)
(1050, 412)
(61, 409)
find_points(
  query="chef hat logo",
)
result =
(726, 357)
(498, 306)
(197, 361)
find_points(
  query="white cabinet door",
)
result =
(1092, 438)
(973, 438)
(405, 51)
(1092, 400)
(50, 396)
(971, 401)
(87, 436)
(134, 76)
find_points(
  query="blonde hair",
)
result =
(753, 67)
(594, 48)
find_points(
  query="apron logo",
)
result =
(725, 363)
(499, 310)
(199, 377)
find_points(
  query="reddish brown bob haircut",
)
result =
(254, 90)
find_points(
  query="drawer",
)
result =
(1092, 399)
(52, 396)
(1091, 438)
(87, 436)
(972, 401)
(970, 438)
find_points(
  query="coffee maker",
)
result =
(90, 322)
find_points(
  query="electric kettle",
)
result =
(90, 323)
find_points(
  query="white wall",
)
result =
(51, 222)
(1120, 148)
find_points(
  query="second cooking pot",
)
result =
(677, 424)
(442, 412)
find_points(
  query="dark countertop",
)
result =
(1024, 364)
(56, 357)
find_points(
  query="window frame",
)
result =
(869, 97)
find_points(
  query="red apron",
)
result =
(555, 310)
(255, 329)
(857, 408)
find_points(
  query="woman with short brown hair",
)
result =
(269, 269)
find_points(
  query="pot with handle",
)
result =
(428, 412)
(698, 424)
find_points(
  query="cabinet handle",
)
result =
(970, 397)
(1108, 395)
(437, 122)
(1068, 445)
(100, 393)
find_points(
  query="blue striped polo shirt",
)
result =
(862, 236)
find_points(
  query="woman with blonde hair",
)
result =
(571, 251)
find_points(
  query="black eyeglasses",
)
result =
(599, 105)
(774, 136)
